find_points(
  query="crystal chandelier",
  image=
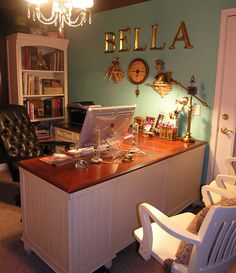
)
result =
(71, 12)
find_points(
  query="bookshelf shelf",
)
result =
(37, 71)
(42, 96)
(42, 71)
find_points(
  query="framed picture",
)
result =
(40, 112)
(149, 123)
(140, 120)
(159, 120)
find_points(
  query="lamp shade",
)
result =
(163, 78)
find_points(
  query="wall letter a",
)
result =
(182, 28)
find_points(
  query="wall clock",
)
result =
(138, 71)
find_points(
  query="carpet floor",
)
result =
(14, 259)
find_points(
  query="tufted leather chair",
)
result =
(18, 140)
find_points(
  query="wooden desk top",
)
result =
(71, 179)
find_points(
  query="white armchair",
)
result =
(222, 181)
(212, 248)
(225, 181)
(209, 193)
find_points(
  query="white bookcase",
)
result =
(37, 75)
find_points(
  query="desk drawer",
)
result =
(63, 134)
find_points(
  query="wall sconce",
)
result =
(163, 85)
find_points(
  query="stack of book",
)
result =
(42, 132)
(51, 87)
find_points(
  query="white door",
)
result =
(222, 142)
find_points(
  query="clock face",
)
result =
(137, 71)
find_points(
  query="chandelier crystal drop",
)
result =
(71, 12)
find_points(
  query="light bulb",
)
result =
(37, 2)
(82, 4)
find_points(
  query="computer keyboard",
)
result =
(87, 150)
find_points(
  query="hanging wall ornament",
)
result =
(114, 71)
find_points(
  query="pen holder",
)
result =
(163, 131)
(174, 122)
(171, 133)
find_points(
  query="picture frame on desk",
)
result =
(149, 123)
(140, 120)
(160, 119)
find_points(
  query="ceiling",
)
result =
(99, 5)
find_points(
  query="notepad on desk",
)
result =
(57, 160)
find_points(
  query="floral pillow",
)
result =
(185, 249)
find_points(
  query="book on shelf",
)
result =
(55, 60)
(51, 87)
(57, 160)
(29, 55)
(53, 91)
(31, 84)
(33, 58)
(53, 107)
(44, 108)
(30, 109)
(47, 107)
(46, 83)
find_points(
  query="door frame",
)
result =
(218, 92)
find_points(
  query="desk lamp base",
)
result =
(188, 139)
(96, 160)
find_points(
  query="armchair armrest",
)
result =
(207, 190)
(147, 212)
(229, 166)
(222, 178)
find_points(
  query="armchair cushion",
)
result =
(185, 249)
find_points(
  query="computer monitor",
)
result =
(113, 123)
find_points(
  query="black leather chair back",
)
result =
(17, 137)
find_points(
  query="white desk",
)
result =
(76, 220)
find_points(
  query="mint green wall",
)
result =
(87, 61)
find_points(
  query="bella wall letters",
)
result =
(111, 45)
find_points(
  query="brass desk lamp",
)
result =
(163, 85)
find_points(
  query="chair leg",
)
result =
(108, 265)
(16, 178)
(27, 249)
(14, 171)
(17, 200)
